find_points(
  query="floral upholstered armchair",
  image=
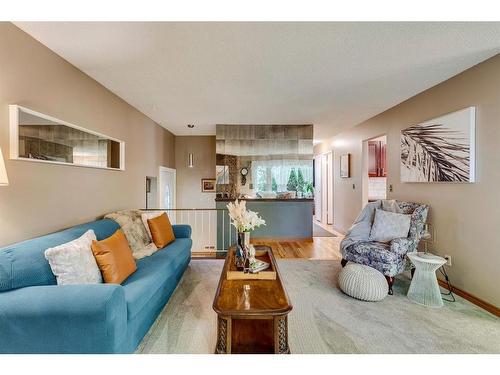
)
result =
(388, 258)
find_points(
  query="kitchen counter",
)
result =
(286, 219)
(265, 199)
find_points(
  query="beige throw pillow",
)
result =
(389, 225)
(145, 216)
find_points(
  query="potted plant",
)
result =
(244, 221)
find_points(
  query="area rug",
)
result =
(324, 320)
(320, 232)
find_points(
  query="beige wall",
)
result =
(43, 198)
(188, 190)
(466, 216)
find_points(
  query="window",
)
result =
(282, 175)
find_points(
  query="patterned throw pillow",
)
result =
(131, 223)
(73, 262)
(389, 225)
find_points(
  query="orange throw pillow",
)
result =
(114, 258)
(161, 230)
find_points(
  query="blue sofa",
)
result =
(38, 316)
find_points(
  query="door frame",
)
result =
(364, 167)
(174, 172)
(326, 182)
(318, 188)
(330, 186)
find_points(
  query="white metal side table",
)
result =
(424, 288)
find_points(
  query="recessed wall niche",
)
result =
(41, 138)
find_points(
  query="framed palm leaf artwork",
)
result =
(441, 149)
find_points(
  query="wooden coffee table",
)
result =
(252, 314)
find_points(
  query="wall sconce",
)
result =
(4, 180)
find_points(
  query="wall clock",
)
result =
(244, 172)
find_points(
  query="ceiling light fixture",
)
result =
(190, 155)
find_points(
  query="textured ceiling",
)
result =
(332, 75)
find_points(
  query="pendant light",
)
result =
(190, 155)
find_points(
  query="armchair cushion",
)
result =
(389, 225)
(374, 250)
(377, 255)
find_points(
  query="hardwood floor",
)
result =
(318, 248)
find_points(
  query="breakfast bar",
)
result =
(286, 219)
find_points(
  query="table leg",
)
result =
(281, 335)
(223, 345)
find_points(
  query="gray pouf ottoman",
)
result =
(363, 282)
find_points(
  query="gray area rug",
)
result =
(324, 320)
(320, 232)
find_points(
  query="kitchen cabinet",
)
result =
(377, 159)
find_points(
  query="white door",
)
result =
(329, 180)
(166, 188)
(317, 188)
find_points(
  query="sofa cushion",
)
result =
(114, 257)
(161, 230)
(24, 264)
(145, 216)
(131, 224)
(152, 273)
(73, 262)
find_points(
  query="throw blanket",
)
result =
(131, 223)
(360, 230)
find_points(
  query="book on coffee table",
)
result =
(258, 265)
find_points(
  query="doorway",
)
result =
(151, 192)
(375, 171)
(323, 197)
(166, 188)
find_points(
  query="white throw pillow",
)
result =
(389, 225)
(391, 205)
(73, 262)
(148, 216)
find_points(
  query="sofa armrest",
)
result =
(402, 246)
(63, 319)
(182, 230)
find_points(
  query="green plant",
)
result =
(300, 181)
(292, 181)
(309, 187)
(274, 185)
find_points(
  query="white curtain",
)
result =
(263, 172)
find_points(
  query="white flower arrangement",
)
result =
(242, 219)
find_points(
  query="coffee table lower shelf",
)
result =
(252, 335)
